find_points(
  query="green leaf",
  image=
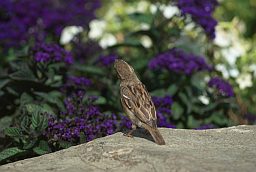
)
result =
(23, 74)
(56, 66)
(82, 138)
(101, 100)
(153, 34)
(12, 91)
(56, 81)
(210, 106)
(10, 152)
(47, 109)
(219, 118)
(65, 144)
(25, 98)
(142, 17)
(25, 123)
(43, 108)
(3, 82)
(42, 148)
(140, 63)
(5, 122)
(172, 89)
(13, 132)
(174, 32)
(180, 125)
(1, 93)
(130, 41)
(36, 120)
(18, 65)
(39, 120)
(177, 110)
(158, 92)
(90, 69)
(29, 144)
(197, 109)
(44, 123)
(53, 97)
(186, 101)
(197, 81)
(192, 122)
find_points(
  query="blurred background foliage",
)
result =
(58, 87)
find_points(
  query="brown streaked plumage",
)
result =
(136, 101)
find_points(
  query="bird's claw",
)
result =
(128, 135)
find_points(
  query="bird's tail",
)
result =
(155, 133)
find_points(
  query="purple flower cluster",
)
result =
(178, 61)
(201, 12)
(163, 111)
(63, 13)
(90, 125)
(222, 86)
(107, 60)
(20, 20)
(47, 53)
(74, 105)
(81, 116)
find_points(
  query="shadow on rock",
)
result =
(141, 133)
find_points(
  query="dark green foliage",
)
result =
(10, 152)
(27, 135)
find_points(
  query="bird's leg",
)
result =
(129, 134)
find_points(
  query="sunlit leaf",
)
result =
(10, 152)
(13, 132)
(42, 148)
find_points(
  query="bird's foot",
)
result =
(128, 135)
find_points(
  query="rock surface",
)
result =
(227, 149)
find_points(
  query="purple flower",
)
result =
(12, 33)
(222, 86)
(125, 122)
(74, 104)
(178, 61)
(79, 81)
(81, 117)
(162, 101)
(76, 86)
(80, 13)
(201, 12)
(251, 118)
(206, 126)
(70, 129)
(163, 111)
(22, 20)
(92, 110)
(49, 53)
(84, 51)
(107, 60)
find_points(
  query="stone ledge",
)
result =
(226, 149)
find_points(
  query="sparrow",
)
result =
(136, 101)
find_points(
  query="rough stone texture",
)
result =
(227, 149)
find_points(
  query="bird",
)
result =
(136, 101)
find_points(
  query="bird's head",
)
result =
(124, 70)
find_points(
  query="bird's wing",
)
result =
(137, 99)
